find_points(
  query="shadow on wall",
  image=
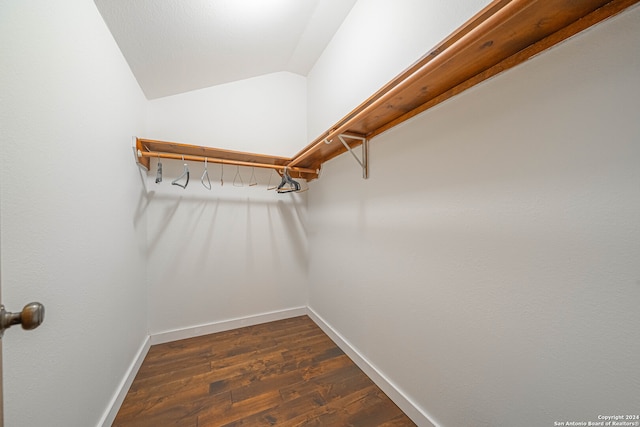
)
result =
(250, 259)
(237, 234)
(143, 198)
(229, 220)
(205, 251)
(296, 231)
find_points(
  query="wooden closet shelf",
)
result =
(501, 36)
(147, 148)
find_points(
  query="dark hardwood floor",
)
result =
(284, 373)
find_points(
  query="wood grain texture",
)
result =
(151, 148)
(284, 373)
(502, 35)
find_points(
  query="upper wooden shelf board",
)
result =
(501, 36)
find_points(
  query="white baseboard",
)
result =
(178, 334)
(226, 325)
(398, 397)
(114, 406)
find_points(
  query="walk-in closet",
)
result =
(319, 213)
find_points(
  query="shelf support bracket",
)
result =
(137, 154)
(364, 161)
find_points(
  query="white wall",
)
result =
(489, 267)
(72, 235)
(230, 252)
(265, 114)
(489, 270)
(225, 253)
(377, 41)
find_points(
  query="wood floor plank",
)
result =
(217, 416)
(284, 373)
(323, 382)
(173, 373)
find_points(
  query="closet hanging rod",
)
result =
(155, 154)
(328, 139)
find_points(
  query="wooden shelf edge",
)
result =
(490, 29)
(150, 148)
(504, 34)
(609, 10)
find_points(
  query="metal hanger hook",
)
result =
(205, 174)
(185, 173)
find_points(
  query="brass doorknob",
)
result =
(31, 316)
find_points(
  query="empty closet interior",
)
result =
(448, 190)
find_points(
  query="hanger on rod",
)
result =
(185, 173)
(269, 187)
(205, 174)
(302, 190)
(163, 150)
(221, 173)
(237, 178)
(252, 179)
(159, 172)
(288, 184)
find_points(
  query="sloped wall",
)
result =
(265, 114)
(377, 41)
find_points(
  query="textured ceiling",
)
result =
(175, 46)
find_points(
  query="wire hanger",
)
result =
(159, 171)
(237, 178)
(306, 187)
(205, 174)
(252, 180)
(221, 173)
(288, 184)
(269, 187)
(185, 173)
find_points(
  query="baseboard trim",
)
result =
(226, 325)
(178, 334)
(114, 406)
(388, 387)
(409, 407)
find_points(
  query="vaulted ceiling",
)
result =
(175, 46)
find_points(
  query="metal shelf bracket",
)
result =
(364, 162)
